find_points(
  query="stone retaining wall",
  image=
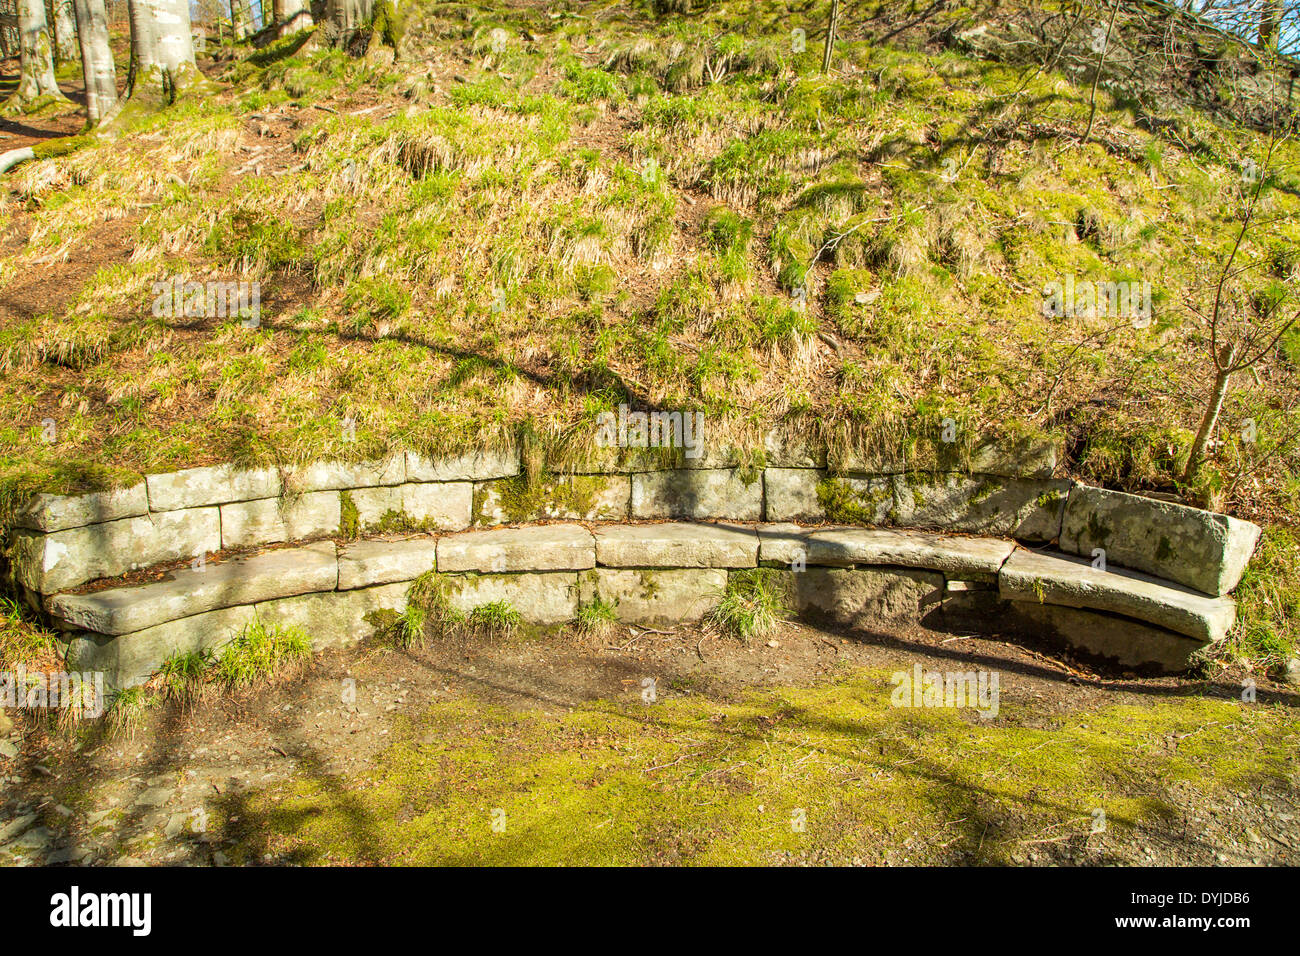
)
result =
(1148, 567)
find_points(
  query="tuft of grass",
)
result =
(260, 652)
(126, 712)
(22, 640)
(184, 675)
(497, 619)
(407, 630)
(754, 602)
(597, 618)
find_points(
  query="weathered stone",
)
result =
(376, 507)
(60, 512)
(1289, 673)
(734, 494)
(247, 524)
(548, 598)
(53, 562)
(182, 593)
(793, 448)
(336, 618)
(477, 465)
(1073, 582)
(565, 497)
(676, 546)
(435, 506)
(130, 659)
(1200, 549)
(1121, 640)
(439, 506)
(195, 487)
(1026, 509)
(950, 554)
(868, 598)
(364, 563)
(782, 543)
(557, 547)
(655, 597)
(1021, 458)
(336, 475)
(791, 494)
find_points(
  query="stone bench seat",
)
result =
(953, 555)
(1068, 581)
(677, 545)
(193, 590)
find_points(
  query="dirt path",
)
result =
(17, 132)
(215, 785)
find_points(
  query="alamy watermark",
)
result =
(53, 690)
(975, 689)
(627, 429)
(1089, 299)
(175, 298)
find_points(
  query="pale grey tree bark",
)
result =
(292, 16)
(349, 15)
(36, 83)
(65, 31)
(163, 47)
(97, 67)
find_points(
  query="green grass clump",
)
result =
(407, 630)
(126, 712)
(754, 602)
(597, 618)
(184, 675)
(260, 652)
(22, 640)
(497, 619)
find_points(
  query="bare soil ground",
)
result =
(144, 799)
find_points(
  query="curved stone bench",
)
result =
(653, 574)
(941, 547)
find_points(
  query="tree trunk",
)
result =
(96, 59)
(163, 48)
(350, 19)
(65, 31)
(239, 18)
(832, 27)
(36, 83)
(1208, 423)
(292, 16)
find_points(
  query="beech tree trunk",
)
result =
(36, 74)
(65, 31)
(97, 67)
(292, 16)
(163, 48)
(349, 15)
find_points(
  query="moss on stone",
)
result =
(349, 517)
(845, 506)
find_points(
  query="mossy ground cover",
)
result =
(830, 774)
(539, 212)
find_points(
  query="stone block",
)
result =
(190, 591)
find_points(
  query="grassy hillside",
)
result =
(543, 210)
